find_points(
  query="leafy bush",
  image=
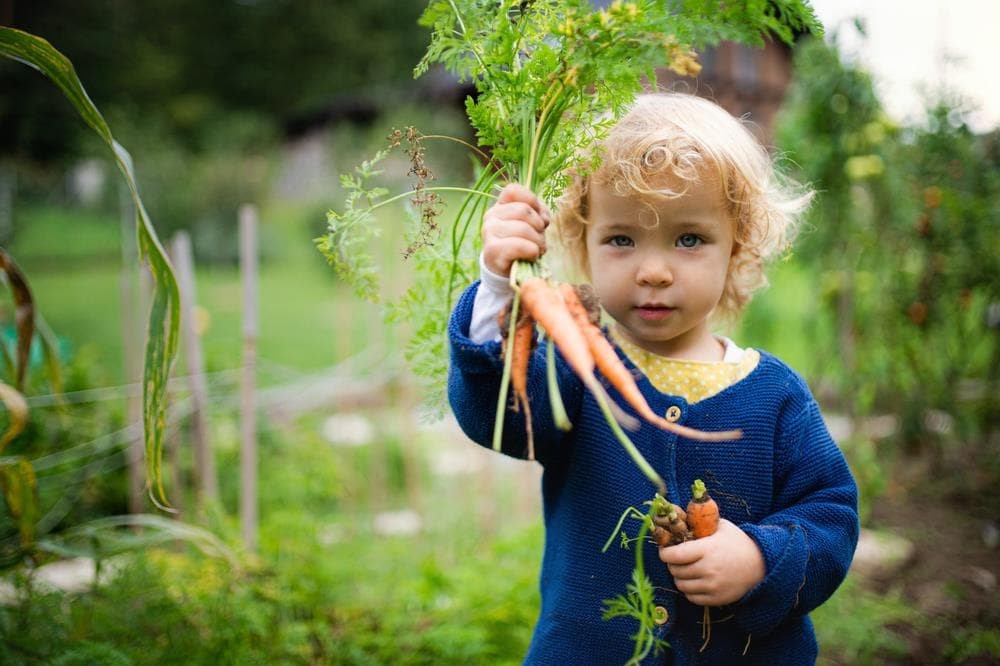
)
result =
(904, 248)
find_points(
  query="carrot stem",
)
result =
(437, 188)
(559, 414)
(505, 377)
(623, 439)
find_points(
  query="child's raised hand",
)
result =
(514, 229)
(717, 569)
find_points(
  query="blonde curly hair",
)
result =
(662, 145)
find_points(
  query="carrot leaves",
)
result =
(551, 77)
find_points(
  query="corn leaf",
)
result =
(164, 318)
(17, 413)
(111, 535)
(24, 315)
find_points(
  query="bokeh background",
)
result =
(384, 535)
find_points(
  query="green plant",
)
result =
(551, 76)
(855, 626)
(162, 338)
(904, 250)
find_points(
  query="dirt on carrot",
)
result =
(670, 526)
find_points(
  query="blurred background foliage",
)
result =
(889, 305)
(903, 247)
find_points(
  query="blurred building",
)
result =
(748, 82)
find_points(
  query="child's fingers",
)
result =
(517, 193)
(519, 211)
(502, 228)
(688, 552)
(500, 257)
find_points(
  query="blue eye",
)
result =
(688, 240)
(620, 241)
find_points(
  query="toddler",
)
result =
(672, 230)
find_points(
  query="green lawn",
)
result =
(306, 321)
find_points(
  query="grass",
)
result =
(306, 320)
(326, 588)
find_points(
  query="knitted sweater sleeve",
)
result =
(808, 542)
(474, 375)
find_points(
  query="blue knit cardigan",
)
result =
(785, 483)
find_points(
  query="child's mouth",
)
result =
(654, 312)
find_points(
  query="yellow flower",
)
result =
(683, 61)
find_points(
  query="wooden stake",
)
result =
(132, 337)
(208, 484)
(248, 411)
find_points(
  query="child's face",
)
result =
(660, 281)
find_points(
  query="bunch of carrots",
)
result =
(673, 525)
(569, 315)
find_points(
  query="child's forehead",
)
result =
(700, 201)
(656, 188)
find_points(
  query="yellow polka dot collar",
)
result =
(692, 380)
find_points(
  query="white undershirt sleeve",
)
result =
(493, 296)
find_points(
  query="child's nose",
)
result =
(654, 271)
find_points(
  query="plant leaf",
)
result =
(17, 413)
(103, 537)
(164, 318)
(24, 315)
(20, 492)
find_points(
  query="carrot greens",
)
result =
(551, 77)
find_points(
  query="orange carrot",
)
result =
(547, 306)
(520, 349)
(703, 519)
(607, 361)
(702, 511)
(544, 303)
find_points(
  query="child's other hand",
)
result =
(514, 229)
(717, 569)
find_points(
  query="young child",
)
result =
(672, 230)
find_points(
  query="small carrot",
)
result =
(703, 519)
(702, 511)
(581, 302)
(672, 519)
(524, 339)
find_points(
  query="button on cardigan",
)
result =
(784, 482)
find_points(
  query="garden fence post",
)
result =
(248, 416)
(208, 484)
(132, 337)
